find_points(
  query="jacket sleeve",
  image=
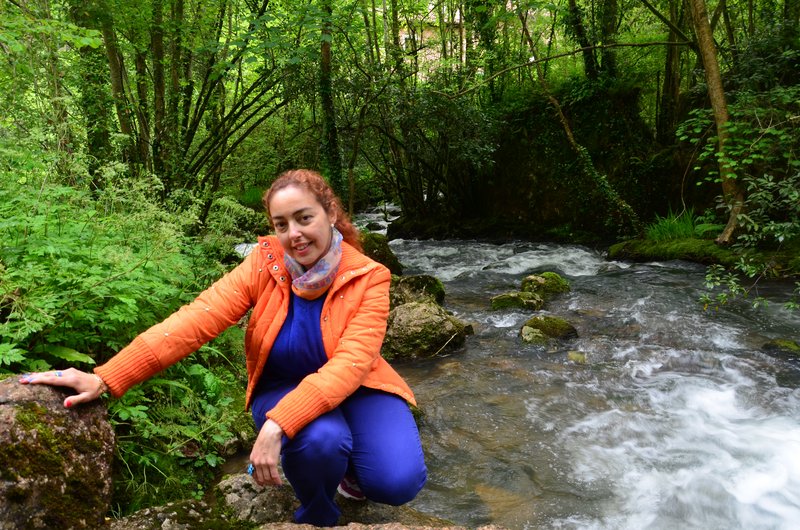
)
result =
(354, 356)
(214, 310)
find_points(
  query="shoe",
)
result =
(349, 489)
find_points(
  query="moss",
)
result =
(553, 327)
(417, 288)
(697, 250)
(784, 349)
(376, 246)
(545, 284)
(39, 452)
(578, 357)
(517, 300)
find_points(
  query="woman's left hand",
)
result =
(266, 453)
(88, 386)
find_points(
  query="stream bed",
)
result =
(677, 419)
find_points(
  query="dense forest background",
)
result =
(136, 139)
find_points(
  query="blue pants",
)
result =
(371, 436)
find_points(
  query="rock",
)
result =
(785, 349)
(55, 463)
(533, 336)
(240, 503)
(417, 288)
(376, 246)
(545, 284)
(518, 300)
(420, 330)
(540, 329)
(578, 357)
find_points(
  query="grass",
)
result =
(684, 225)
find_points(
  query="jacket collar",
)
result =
(352, 265)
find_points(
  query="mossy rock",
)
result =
(421, 330)
(545, 284)
(577, 357)
(55, 463)
(416, 288)
(785, 349)
(376, 246)
(540, 329)
(517, 300)
(696, 250)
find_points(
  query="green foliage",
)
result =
(76, 278)
(172, 430)
(681, 226)
(762, 152)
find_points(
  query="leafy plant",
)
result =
(763, 153)
(172, 430)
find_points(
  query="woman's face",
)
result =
(302, 224)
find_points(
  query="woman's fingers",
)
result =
(87, 386)
(54, 377)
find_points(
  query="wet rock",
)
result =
(546, 284)
(578, 357)
(421, 330)
(55, 463)
(540, 329)
(376, 246)
(517, 300)
(785, 349)
(416, 288)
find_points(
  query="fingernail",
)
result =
(68, 404)
(250, 469)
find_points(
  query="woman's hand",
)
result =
(88, 386)
(266, 453)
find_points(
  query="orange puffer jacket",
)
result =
(353, 323)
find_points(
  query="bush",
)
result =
(80, 277)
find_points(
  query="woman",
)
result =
(323, 399)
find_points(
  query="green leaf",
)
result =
(68, 354)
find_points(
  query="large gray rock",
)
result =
(420, 330)
(55, 463)
(240, 503)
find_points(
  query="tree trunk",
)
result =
(331, 157)
(608, 26)
(142, 110)
(159, 91)
(731, 191)
(590, 65)
(666, 120)
(117, 73)
(95, 99)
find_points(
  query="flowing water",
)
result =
(677, 419)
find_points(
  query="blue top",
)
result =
(298, 350)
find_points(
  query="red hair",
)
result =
(311, 181)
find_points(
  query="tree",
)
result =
(332, 160)
(732, 192)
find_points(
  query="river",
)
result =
(677, 419)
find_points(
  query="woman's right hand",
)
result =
(266, 453)
(88, 386)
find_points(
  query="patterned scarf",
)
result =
(311, 283)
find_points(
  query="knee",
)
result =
(396, 486)
(320, 441)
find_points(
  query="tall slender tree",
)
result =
(732, 192)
